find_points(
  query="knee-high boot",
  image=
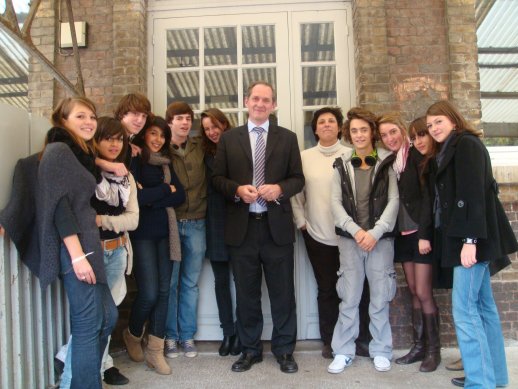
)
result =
(432, 357)
(417, 351)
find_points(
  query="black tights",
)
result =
(419, 279)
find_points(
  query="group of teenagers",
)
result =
(136, 194)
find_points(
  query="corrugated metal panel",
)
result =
(499, 111)
(14, 70)
(500, 80)
(498, 30)
(499, 27)
(31, 324)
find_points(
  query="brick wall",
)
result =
(113, 63)
(409, 54)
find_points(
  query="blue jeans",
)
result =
(93, 316)
(114, 265)
(184, 292)
(478, 328)
(152, 270)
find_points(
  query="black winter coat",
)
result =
(470, 208)
(414, 195)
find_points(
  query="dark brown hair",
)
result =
(107, 128)
(335, 111)
(133, 102)
(416, 127)
(178, 108)
(219, 119)
(139, 140)
(363, 114)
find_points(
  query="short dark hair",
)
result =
(362, 114)
(178, 108)
(335, 111)
(108, 127)
(138, 140)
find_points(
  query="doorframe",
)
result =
(305, 288)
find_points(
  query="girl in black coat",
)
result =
(213, 124)
(413, 246)
(474, 232)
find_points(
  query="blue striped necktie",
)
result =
(259, 162)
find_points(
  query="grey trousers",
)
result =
(378, 267)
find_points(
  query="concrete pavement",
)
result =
(209, 370)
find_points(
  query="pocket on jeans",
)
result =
(390, 284)
(340, 284)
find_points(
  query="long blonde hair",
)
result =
(61, 113)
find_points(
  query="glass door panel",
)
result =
(320, 70)
(210, 65)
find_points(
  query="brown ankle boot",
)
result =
(155, 355)
(416, 353)
(133, 345)
(432, 357)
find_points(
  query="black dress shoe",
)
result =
(235, 345)
(245, 362)
(224, 349)
(112, 376)
(288, 364)
(459, 381)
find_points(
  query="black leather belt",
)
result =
(257, 215)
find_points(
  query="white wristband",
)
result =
(75, 260)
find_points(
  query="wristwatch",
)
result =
(469, 240)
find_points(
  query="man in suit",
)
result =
(258, 168)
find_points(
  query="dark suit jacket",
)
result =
(234, 167)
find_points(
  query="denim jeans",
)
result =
(114, 264)
(152, 270)
(478, 328)
(184, 292)
(93, 316)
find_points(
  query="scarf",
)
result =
(57, 134)
(111, 188)
(401, 158)
(175, 249)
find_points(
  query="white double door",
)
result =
(209, 61)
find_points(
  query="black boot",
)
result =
(235, 345)
(224, 349)
(417, 351)
(432, 357)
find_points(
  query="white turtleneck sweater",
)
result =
(312, 206)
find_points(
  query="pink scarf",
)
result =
(401, 158)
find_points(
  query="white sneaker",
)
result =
(339, 364)
(381, 363)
